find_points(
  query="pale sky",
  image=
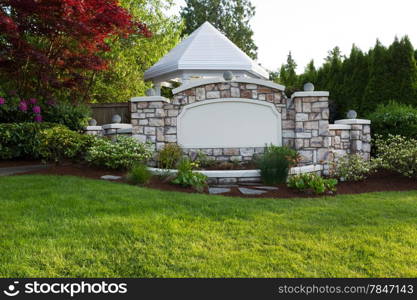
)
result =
(310, 28)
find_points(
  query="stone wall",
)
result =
(154, 118)
(304, 121)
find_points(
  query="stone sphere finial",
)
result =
(150, 92)
(308, 87)
(228, 75)
(116, 118)
(351, 114)
(92, 122)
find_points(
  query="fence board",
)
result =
(103, 112)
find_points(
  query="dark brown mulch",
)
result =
(382, 181)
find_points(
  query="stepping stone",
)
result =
(246, 191)
(217, 190)
(269, 188)
(111, 177)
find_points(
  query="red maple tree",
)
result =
(52, 47)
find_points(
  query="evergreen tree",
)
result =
(229, 16)
(403, 71)
(310, 74)
(378, 89)
(288, 75)
(355, 70)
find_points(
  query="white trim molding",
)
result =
(150, 99)
(310, 94)
(199, 82)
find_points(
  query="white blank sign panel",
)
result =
(229, 123)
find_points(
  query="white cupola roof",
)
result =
(205, 53)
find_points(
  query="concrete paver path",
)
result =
(21, 169)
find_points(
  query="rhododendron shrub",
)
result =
(51, 47)
(14, 109)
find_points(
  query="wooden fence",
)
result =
(103, 112)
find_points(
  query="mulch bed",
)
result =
(381, 181)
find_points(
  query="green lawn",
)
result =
(72, 227)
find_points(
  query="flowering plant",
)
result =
(352, 168)
(123, 153)
(15, 109)
(397, 153)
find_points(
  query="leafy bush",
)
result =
(186, 177)
(394, 118)
(352, 168)
(21, 140)
(75, 117)
(58, 143)
(169, 156)
(14, 109)
(397, 153)
(312, 183)
(203, 160)
(139, 174)
(275, 163)
(123, 153)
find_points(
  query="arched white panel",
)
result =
(229, 123)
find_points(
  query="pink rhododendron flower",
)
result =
(36, 109)
(38, 118)
(23, 106)
(32, 101)
(2, 101)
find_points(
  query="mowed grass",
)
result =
(71, 227)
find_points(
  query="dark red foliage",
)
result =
(47, 45)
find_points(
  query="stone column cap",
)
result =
(117, 126)
(149, 99)
(353, 122)
(310, 94)
(93, 128)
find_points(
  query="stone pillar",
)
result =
(148, 120)
(360, 136)
(312, 126)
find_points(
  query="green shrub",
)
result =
(274, 164)
(75, 117)
(139, 174)
(397, 153)
(58, 143)
(123, 153)
(21, 140)
(186, 177)
(203, 160)
(312, 183)
(394, 118)
(352, 168)
(169, 156)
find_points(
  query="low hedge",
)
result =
(394, 118)
(21, 140)
(47, 141)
